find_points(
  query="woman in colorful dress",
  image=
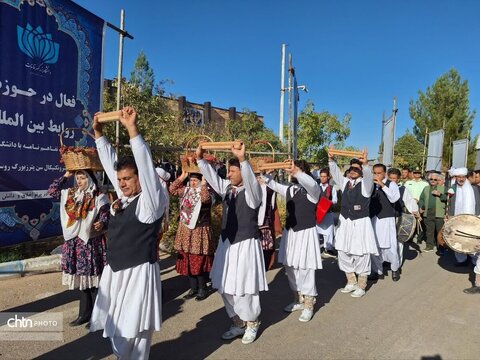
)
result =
(194, 235)
(270, 228)
(84, 214)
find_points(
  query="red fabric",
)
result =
(324, 206)
(191, 264)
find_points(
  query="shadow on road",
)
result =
(92, 346)
(47, 303)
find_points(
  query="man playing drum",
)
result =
(465, 199)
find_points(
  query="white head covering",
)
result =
(164, 177)
(461, 172)
(80, 227)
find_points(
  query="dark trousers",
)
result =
(87, 301)
(198, 283)
(433, 226)
(421, 233)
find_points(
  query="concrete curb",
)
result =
(39, 264)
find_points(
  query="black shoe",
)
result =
(396, 275)
(473, 290)
(190, 295)
(202, 295)
(461, 264)
(374, 276)
(79, 321)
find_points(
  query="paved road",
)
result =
(423, 316)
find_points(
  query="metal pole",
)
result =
(424, 148)
(382, 145)
(290, 95)
(394, 126)
(282, 96)
(119, 76)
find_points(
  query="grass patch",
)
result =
(10, 255)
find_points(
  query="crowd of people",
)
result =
(111, 250)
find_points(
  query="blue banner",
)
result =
(50, 81)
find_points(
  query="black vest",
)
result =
(301, 212)
(324, 193)
(129, 241)
(380, 206)
(354, 204)
(400, 205)
(239, 221)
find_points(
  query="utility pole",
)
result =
(382, 149)
(282, 97)
(394, 115)
(290, 97)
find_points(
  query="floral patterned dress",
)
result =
(195, 246)
(82, 263)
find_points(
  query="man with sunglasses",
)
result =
(432, 205)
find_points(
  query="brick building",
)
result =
(200, 114)
(190, 112)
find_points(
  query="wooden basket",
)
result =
(79, 158)
(257, 161)
(189, 159)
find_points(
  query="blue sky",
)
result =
(354, 56)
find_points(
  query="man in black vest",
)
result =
(129, 303)
(382, 212)
(300, 249)
(355, 239)
(405, 205)
(238, 271)
(326, 229)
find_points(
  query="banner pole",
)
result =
(394, 127)
(424, 149)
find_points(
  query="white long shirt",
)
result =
(392, 191)
(409, 201)
(341, 181)
(251, 186)
(152, 198)
(310, 185)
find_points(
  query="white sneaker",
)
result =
(250, 334)
(358, 293)
(233, 332)
(294, 306)
(349, 288)
(306, 315)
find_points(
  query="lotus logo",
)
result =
(37, 45)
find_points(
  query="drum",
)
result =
(406, 227)
(462, 233)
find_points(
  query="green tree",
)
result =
(317, 131)
(472, 154)
(142, 75)
(445, 105)
(408, 151)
